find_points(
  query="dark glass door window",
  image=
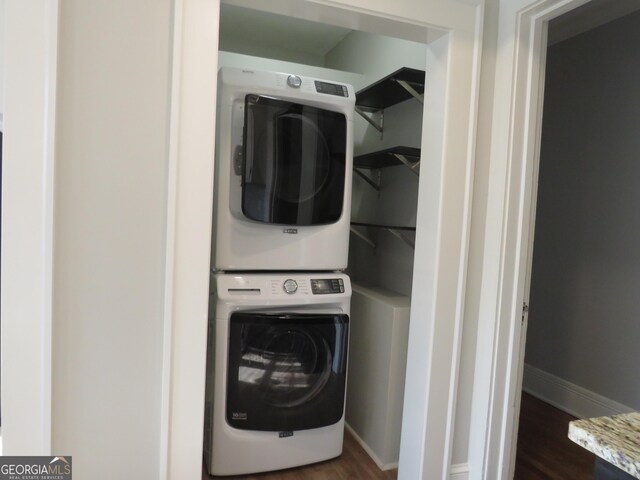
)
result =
(286, 372)
(293, 163)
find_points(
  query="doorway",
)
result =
(525, 124)
(445, 197)
(581, 330)
(387, 139)
(385, 190)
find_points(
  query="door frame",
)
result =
(515, 152)
(27, 224)
(449, 127)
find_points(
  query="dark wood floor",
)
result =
(544, 453)
(544, 450)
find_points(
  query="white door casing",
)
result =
(189, 214)
(443, 230)
(30, 65)
(515, 145)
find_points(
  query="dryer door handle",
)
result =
(238, 160)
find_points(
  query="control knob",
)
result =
(290, 286)
(294, 81)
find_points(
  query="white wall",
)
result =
(274, 35)
(2, 43)
(390, 265)
(375, 56)
(110, 207)
(583, 323)
(230, 59)
(251, 47)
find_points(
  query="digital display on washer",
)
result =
(331, 89)
(327, 285)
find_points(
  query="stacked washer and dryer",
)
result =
(279, 305)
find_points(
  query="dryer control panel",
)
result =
(323, 286)
(331, 89)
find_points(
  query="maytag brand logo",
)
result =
(35, 468)
(290, 231)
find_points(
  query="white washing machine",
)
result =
(276, 371)
(284, 155)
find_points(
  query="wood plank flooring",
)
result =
(544, 450)
(544, 453)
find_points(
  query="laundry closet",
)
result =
(388, 76)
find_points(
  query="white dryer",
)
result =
(276, 371)
(284, 154)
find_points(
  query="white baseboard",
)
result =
(381, 465)
(568, 397)
(459, 471)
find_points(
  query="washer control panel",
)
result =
(286, 285)
(327, 285)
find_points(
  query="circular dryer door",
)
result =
(294, 162)
(286, 372)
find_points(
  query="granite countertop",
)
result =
(615, 439)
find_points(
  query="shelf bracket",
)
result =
(414, 167)
(395, 231)
(402, 237)
(374, 184)
(363, 237)
(379, 126)
(404, 84)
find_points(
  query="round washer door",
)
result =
(289, 365)
(286, 372)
